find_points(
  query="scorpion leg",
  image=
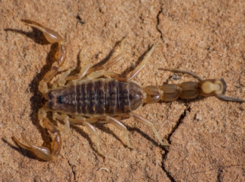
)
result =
(148, 123)
(120, 126)
(88, 69)
(79, 120)
(82, 72)
(87, 122)
(65, 118)
(105, 73)
(227, 98)
(90, 128)
(44, 153)
(113, 61)
(142, 64)
(62, 79)
(52, 37)
(182, 71)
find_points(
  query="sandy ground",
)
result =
(207, 139)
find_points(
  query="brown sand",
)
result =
(207, 137)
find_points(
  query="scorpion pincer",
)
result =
(96, 95)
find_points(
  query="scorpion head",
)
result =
(62, 100)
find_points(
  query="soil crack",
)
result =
(158, 22)
(72, 169)
(182, 116)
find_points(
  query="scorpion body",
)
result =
(103, 96)
(97, 95)
(112, 97)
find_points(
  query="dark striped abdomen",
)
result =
(97, 97)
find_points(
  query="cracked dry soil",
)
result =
(206, 136)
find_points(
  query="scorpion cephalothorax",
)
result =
(95, 94)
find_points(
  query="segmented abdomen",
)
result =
(97, 97)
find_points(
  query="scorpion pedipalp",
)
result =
(44, 153)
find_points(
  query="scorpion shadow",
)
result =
(37, 100)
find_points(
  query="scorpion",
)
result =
(98, 95)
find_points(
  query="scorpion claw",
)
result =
(44, 153)
(20, 144)
(41, 152)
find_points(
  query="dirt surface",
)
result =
(207, 138)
